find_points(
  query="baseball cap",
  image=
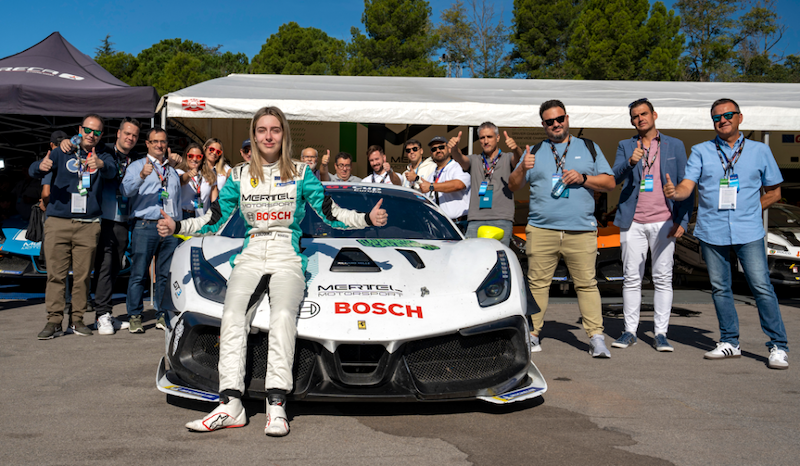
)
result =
(437, 139)
(246, 143)
(57, 137)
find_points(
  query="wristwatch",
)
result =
(416, 179)
(584, 179)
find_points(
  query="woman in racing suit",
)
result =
(270, 192)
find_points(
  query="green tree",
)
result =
(297, 50)
(120, 64)
(616, 39)
(398, 41)
(159, 65)
(712, 37)
(540, 35)
(474, 40)
(760, 30)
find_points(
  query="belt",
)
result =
(145, 220)
(272, 235)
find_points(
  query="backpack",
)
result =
(589, 145)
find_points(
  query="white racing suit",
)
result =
(272, 210)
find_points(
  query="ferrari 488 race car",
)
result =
(407, 312)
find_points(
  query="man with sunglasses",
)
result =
(448, 185)
(648, 220)
(491, 202)
(72, 227)
(153, 186)
(418, 169)
(344, 170)
(730, 172)
(563, 173)
(245, 151)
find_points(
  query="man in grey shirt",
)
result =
(344, 170)
(491, 202)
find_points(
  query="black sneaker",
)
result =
(51, 330)
(79, 328)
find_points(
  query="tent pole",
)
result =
(471, 140)
(164, 116)
(765, 214)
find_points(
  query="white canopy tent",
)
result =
(468, 102)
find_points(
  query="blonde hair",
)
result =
(222, 161)
(205, 170)
(287, 167)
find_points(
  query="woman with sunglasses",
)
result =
(271, 252)
(215, 157)
(198, 182)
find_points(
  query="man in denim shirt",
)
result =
(153, 185)
(730, 172)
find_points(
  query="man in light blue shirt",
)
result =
(152, 185)
(730, 172)
(562, 224)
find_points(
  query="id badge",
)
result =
(486, 198)
(648, 183)
(727, 196)
(78, 204)
(733, 182)
(168, 208)
(482, 189)
(86, 180)
(556, 179)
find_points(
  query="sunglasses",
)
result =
(726, 115)
(636, 103)
(213, 150)
(411, 149)
(437, 148)
(550, 121)
(88, 131)
(247, 150)
(195, 156)
(342, 166)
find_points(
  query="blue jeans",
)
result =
(146, 243)
(756, 271)
(506, 225)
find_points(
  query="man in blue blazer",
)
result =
(647, 219)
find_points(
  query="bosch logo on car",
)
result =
(273, 215)
(379, 309)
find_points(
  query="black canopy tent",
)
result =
(50, 86)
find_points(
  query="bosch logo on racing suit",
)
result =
(379, 308)
(273, 215)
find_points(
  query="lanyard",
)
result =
(163, 175)
(560, 163)
(439, 172)
(197, 183)
(488, 169)
(122, 162)
(83, 164)
(383, 180)
(727, 165)
(648, 162)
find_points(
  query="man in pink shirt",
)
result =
(648, 220)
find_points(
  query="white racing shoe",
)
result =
(277, 424)
(230, 414)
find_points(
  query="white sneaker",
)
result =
(104, 324)
(277, 424)
(724, 350)
(597, 347)
(535, 346)
(778, 359)
(230, 414)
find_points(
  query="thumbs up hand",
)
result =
(669, 189)
(510, 142)
(147, 169)
(166, 226)
(94, 162)
(46, 164)
(638, 153)
(377, 216)
(452, 144)
(528, 159)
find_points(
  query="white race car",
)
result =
(409, 311)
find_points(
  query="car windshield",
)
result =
(410, 216)
(784, 216)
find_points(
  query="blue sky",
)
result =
(239, 26)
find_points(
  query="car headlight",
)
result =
(496, 288)
(207, 281)
(777, 247)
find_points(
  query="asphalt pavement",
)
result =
(92, 400)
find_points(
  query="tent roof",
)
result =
(469, 102)
(55, 78)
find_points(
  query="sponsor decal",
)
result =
(395, 243)
(189, 391)
(518, 393)
(281, 185)
(367, 189)
(399, 310)
(266, 197)
(309, 309)
(273, 216)
(11, 272)
(362, 324)
(790, 138)
(177, 289)
(254, 182)
(193, 105)
(41, 71)
(72, 166)
(358, 290)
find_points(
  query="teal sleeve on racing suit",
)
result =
(217, 215)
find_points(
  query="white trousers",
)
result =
(635, 242)
(286, 288)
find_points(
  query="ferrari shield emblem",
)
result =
(362, 324)
(254, 182)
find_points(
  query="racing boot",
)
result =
(228, 414)
(277, 423)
